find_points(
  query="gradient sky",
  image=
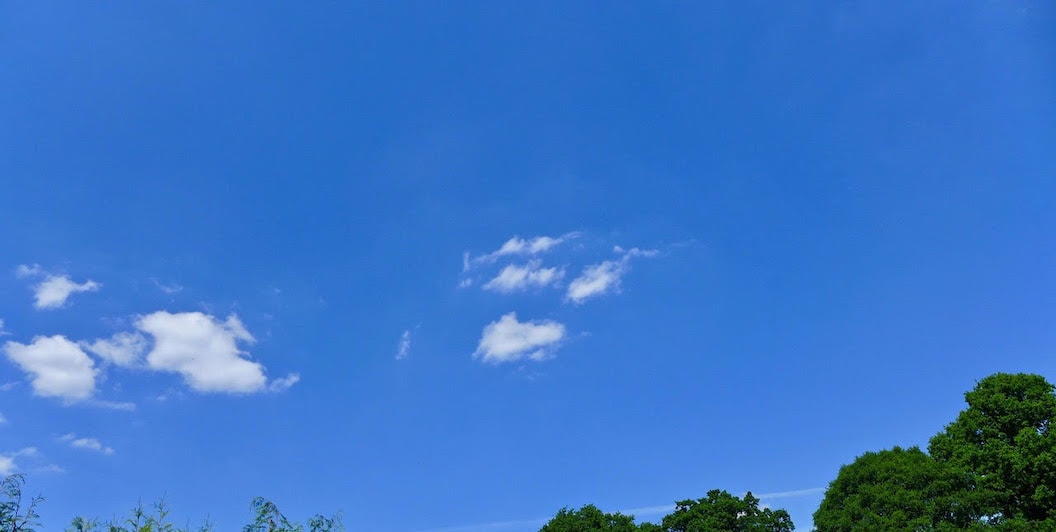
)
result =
(455, 265)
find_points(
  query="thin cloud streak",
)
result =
(645, 510)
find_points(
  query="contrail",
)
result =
(645, 510)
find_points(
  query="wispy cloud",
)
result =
(517, 246)
(404, 347)
(515, 277)
(53, 291)
(90, 444)
(170, 289)
(3, 332)
(509, 340)
(123, 406)
(284, 383)
(604, 277)
(57, 367)
(7, 460)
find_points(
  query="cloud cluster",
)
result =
(53, 290)
(202, 349)
(510, 340)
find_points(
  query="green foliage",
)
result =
(268, 518)
(139, 520)
(589, 519)
(13, 517)
(720, 511)
(1005, 444)
(896, 489)
(994, 467)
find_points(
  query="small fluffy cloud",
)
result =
(57, 367)
(90, 444)
(122, 349)
(54, 290)
(203, 350)
(604, 277)
(404, 347)
(509, 340)
(514, 277)
(517, 246)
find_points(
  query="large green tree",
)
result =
(720, 511)
(897, 489)
(1005, 444)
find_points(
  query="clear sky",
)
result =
(460, 264)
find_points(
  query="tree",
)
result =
(896, 489)
(268, 518)
(590, 519)
(720, 511)
(1005, 445)
(13, 517)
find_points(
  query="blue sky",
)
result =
(457, 265)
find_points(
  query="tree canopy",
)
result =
(725, 512)
(590, 518)
(718, 512)
(1005, 445)
(993, 467)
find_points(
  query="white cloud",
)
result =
(508, 340)
(517, 246)
(596, 280)
(122, 349)
(3, 332)
(57, 366)
(203, 350)
(90, 444)
(54, 290)
(520, 277)
(604, 277)
(7, 460)
(404, 347)
(283, 384)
